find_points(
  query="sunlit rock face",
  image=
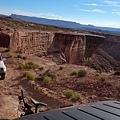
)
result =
(73, 48)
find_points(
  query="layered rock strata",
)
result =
(72, 48)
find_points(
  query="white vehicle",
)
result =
(2, 67)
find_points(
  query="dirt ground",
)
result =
(93, 87)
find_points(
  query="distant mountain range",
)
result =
(62, 23)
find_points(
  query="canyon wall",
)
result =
(75, 48)
(111, 45)
(72, 48)
(31, 42)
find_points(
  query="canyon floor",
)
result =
(95, 86)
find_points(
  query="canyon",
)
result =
(74, 48)
(61, 51)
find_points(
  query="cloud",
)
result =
(94, 10)
(46, 15)
(91, 4)
(112, 3)
(116, 12)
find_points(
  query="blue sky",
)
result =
(104, 13)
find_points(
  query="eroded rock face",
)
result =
(111, 45)
(71, 48)
(75, 48)
(31, 42)
(92, 44)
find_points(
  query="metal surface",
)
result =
(106, 110)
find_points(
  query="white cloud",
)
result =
(112, 3)
(116, 12)
(91, 4)
(94, 10)
(46, 15)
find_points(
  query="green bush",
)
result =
(69, 93)
(76, 96)
(21, 66)
(82, 73)
(97, 74)
(47, 79)
(29, 75)
(25, 73)
(50, 73)
(31, 65)
(11, 55)
(72, 94)
(74, 72)
(28, 65)
(18, 51)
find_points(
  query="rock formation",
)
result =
(111, 45)
(72, 48)
(75, 48)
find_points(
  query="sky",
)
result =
(104, 13)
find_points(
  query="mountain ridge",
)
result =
(63, 23)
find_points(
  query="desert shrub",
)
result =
(7, 50)
(18, 51)
(69, 93)
(50, 73)
(97, 74)
(11, 55)
(74, 72)
(31, 65)
(28, 65)
(82, 73)
(21, 66)
(25, 73)
(47, 79)
(76, 96)
(29, 75)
